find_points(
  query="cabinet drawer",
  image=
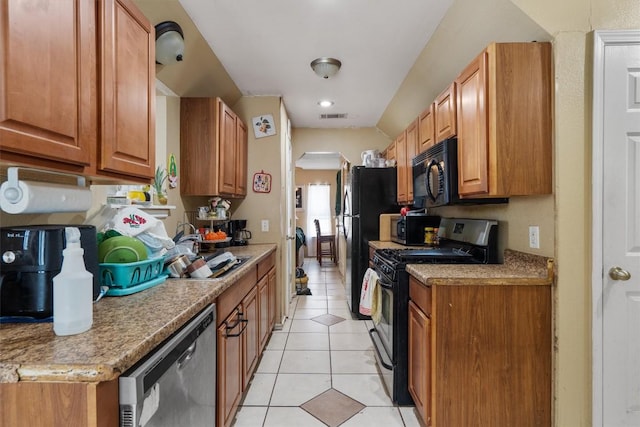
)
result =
(231, 298)
(420, 294)
(265, 265)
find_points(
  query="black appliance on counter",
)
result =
(435, 177)
(409, 229)
(31, 258)
(237, 230)
(462, 241)
(368, 193)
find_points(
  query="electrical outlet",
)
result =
(265, 225)
(534, 237)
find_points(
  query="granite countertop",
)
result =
(519, 268)
(380, 244)
(124, 329)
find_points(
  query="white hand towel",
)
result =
(369, 282)
(376, 306)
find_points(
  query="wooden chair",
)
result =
(321, 244)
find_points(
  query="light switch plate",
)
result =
(534, 237)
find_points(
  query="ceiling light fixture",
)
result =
(325, 67)
(169, 43)
(325, 103)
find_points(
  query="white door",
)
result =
(290, 218)
(616, 321)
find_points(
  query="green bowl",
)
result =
(121, 249)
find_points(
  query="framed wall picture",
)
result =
(298, 198)
(263, 126)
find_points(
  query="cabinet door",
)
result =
(198, 146)
(420, 361)
(412, 150)
(445, 113)
(48, 78)
(263, 298)
(229, 367)
(471, 88)
(227, 141)
(391, 152)
(127, 140)
(272, 298)
(241, 158)
(426, 129)
(45, 404)
(401, 156)
(250, 353)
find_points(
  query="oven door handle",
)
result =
(381, 358)
(385, 284)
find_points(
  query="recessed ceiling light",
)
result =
(325, 103)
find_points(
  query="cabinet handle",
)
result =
(231, 327)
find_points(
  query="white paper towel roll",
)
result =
(42, 197)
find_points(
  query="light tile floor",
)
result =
(320, 370)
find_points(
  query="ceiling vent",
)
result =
(334, 116)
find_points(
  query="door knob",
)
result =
(291, 237)
(617, 273)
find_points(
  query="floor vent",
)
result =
(334, 116)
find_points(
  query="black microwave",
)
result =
(435, 177)
(409, 229)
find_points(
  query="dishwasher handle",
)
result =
(186, 357)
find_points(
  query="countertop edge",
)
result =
(518, 269)
(104, 369)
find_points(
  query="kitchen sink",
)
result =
(222, 271)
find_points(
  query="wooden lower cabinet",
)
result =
(420, 361)
(272, 298)
(247, 309)
(44, 404)
(263, 297)
(250, 311)
(229, 367)
(490, 353)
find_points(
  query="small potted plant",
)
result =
(160, 197)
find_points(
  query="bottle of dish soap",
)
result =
(72, 289)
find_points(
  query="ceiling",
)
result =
(267, 47)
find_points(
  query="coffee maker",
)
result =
(238, 232)
(31, 258)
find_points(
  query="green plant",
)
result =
(160, 178)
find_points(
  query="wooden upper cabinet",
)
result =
(213, 149)
(472, 128)
(390, 152)
(412, 150)
(401, 170)
(48, 77)
(227, 141)
(445, 113)
(504, 115)
(79, 79)
(128, 90)
(426, 129)
(241, 158)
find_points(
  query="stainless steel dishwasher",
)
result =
(175, 385)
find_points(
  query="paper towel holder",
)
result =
(12, 192)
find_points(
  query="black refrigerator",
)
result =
(368, 192)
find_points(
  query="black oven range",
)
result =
(462, 241)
